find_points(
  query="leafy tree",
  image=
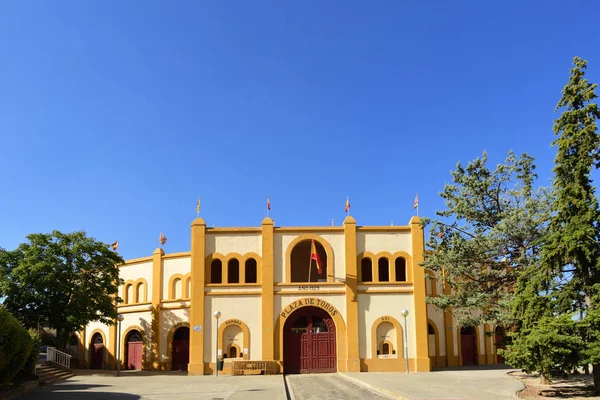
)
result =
(489, 231)
(15, 345)
(571, 253)
(68, 280)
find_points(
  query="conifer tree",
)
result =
(488, 233)
(570, 263)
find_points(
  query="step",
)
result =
(57, 378)
(49, 374)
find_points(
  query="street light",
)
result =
(404, 313)
(120, 318)
(217, 315)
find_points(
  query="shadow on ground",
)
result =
(573, 386)
(476, 368)
(74, 391)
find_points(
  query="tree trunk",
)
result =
(596, 373)
(544, 380)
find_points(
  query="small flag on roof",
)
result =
(162, 239)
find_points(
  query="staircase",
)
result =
(51, 373)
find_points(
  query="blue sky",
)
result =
(115, 116)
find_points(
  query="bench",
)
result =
(247, 367)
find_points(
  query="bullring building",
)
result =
(303, 299)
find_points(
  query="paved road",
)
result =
(472, 384)
(149, 386)
(327, 386)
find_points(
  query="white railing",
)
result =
(58, 357)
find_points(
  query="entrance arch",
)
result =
(309, 342)
(468, 345)
(134, 350)
(181, 349)
(97, 350)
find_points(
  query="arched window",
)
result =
(384, 269)
(430, 330)
(251, 271)
(177, 289)
(140, 292)
(400, 269)
(303, 268)
(366, 269)
(129, 294)
(233, 271)
(188, 283)
(134, 336)
(216, 269)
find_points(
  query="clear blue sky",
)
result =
(115, 116)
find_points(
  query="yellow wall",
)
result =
(260, 305)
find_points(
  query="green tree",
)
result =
(489, 231)
(15, 346)
(68, 280)
(571, 253)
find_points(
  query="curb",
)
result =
(288, 389)
(373, 388)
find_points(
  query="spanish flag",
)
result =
(347, 205)
(198, 206)
(115, 245)
(269, 203)
(315, 256)
(416, 202)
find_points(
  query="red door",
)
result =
(468, 351)
(309, 343)
(181, 355)
(97, 356)
(134, 355)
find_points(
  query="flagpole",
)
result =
(310, 260)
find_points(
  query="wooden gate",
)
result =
(181, 349)
(97, 349)
(135, 351)
(97, 356)
(309, 342)
(468, 348)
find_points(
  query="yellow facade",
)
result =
(258, 278)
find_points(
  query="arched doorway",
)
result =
(181, 349)
(499, 342)
(309, 342)
(433, 346)
(468, 339)
(134, 350)
(97, 348)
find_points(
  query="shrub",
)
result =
(34, 354)
(15, 346)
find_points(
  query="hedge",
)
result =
(16, 346)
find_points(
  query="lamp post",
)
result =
(217, 315)
(404, 313)
(120, 319)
